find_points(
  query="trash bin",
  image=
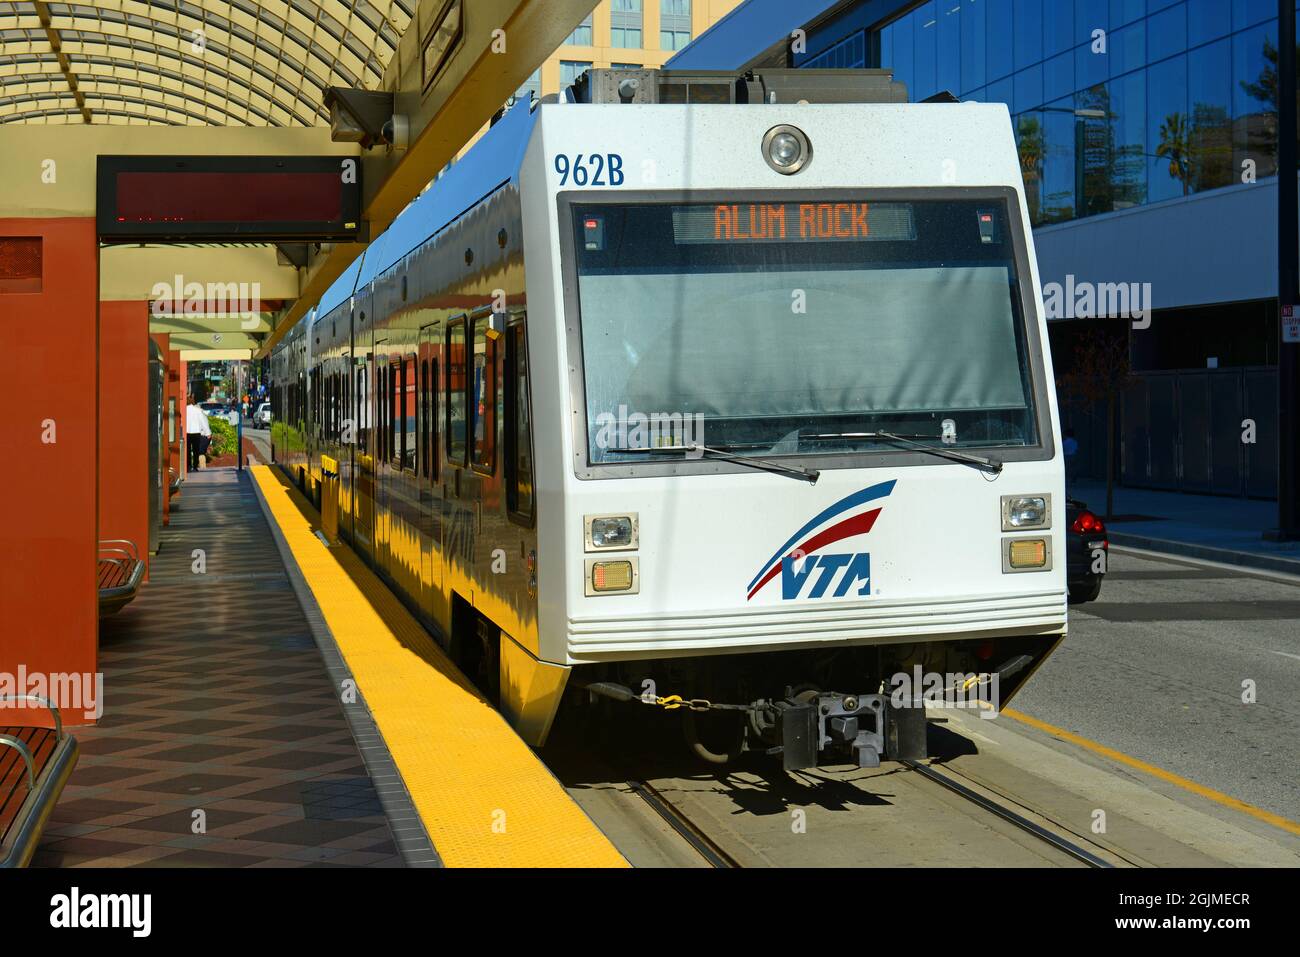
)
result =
(329, 498)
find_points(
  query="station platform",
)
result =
(483, 795)
(267, 702)
(216, 700)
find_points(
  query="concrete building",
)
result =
(628, 33)
(623, 33)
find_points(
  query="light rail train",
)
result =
(729, 388)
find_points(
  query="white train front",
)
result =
(746, 402)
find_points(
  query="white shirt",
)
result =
(196, 421)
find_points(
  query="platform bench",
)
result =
(35, 764)
(120, 572)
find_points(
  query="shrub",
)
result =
(223, 438)
(286, 438)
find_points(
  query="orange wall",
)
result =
(124, 478)
(48, 375)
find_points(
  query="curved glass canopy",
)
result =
(191, 62)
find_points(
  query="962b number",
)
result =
(592, 169)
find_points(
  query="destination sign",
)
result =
(793, 222)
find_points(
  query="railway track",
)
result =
(704, 845)
(731, 819)
(1056, 839)
(715, 855)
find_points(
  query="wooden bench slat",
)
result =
(13, 769)
(118, 575)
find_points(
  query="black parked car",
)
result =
(1087, 552)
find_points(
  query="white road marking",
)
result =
(1285, 654)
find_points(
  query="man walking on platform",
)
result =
(197, 433)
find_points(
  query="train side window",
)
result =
(397, 393)
(519, 428)
(455, 386)
(331, 406)
(428, 413)
(386, 413)
(345, 401)
(410, 395)
(483, 393)
(363, 412)
(381, 404)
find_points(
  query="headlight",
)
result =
(1023, 512)
(610, 531)
(786, 149)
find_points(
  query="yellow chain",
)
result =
(677, 701)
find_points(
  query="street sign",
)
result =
(1290, 324)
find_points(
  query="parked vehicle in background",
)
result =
(222, 410)
(262, 417)
(1087, 552)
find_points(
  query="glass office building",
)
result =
(1147, 135)
(1115, 103)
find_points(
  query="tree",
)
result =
(1100, 373)
(1175, 146)
(1029, 144)
(1264, 90)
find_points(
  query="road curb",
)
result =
(1227, 556)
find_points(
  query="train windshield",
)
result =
(803, 328)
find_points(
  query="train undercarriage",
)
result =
(857, 705)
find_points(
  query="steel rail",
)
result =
(1037, 830)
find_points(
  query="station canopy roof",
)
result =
(191, 62)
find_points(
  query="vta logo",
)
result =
(796, 563)
(797, 571)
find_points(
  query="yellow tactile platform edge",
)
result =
(485, 798)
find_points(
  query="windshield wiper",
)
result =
(804, 475)
(993, 465)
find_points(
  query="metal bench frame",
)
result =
(43, 786)
(124, 554)
(175, 485)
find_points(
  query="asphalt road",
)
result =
(1155, 669)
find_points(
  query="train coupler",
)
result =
(867, 727)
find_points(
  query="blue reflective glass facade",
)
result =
(1115, 103)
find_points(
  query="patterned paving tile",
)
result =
(216, 676)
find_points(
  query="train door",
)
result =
(406, 546)
(382, 445)
(455, 534)
(363, 525)
(347, 430)
(481, 489)
(430, 502)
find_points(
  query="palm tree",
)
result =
(1175, 136)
